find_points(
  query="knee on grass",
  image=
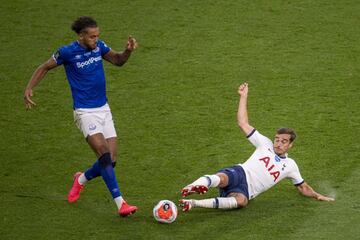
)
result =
(241, 200)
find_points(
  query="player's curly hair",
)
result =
(289, 131)
(83, 22)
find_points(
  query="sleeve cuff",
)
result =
(298, 184)
(251, 133)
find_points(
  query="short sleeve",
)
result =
(259, 140)
(295, 175)
(104, 49)
(58, 56)
(62, 55)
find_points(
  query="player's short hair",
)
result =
(83, 22)
(289, 131)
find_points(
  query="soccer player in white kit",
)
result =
(267, 166)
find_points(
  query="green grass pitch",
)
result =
(174, 105)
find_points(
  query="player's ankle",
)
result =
(82, 179)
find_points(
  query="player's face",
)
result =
(89, 37)
(282, 144)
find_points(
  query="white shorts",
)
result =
(95, 120)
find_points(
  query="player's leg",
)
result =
(94, 170)
(97, 142)
(112, 143)
(233, 200)
(202, 184)
(233, 192)
(99, 130)
(124, 209)
(101, 147)
(91, 124)
(88, 124)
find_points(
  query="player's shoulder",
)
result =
(101, 43)
(102, 47)
(72, 45)
(291, 161)
(255, 135)
(67, 49)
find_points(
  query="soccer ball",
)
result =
(165, 211)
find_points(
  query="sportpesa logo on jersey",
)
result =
(89, 61)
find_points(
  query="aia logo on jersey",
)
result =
(273, 173)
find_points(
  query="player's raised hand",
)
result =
(131, 43)
(243, 89)
(27, 99)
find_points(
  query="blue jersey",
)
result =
(85, 73)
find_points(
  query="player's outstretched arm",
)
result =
(242, 115)
(37, 76)
(307, 191)
(118, 58)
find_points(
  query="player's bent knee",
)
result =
(241, 201)
(224, 180)
(103, 149)
(240, 198)
(113, 157)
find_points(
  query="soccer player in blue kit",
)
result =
(83, 65)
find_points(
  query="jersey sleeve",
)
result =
(259, 140)
(60, 56)
(104, 49)
(295, 175)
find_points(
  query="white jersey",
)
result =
(264, 168)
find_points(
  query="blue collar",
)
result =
(278, 158)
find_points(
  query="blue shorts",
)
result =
(237, 181)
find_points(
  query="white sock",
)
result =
(208, 180)
(221, 202)
(119, 200)
(82, 179)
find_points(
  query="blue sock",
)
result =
(93, 171)
(108, 174)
